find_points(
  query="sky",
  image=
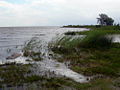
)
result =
(56, 12)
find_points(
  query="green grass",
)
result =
(96, 39)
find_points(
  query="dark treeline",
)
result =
(103, 21)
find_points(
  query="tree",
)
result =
(105, 20)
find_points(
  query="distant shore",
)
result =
(81, 26)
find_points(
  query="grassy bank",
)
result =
(93, 55)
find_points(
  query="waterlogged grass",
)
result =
(36, 56)
(28, 50)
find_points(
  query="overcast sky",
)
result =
(55, 12)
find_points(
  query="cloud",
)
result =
(55, 12)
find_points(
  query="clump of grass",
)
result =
(29, 50)
(36, 56)
(96, 39)
(65, 45)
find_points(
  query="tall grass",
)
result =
(65, 45)
(96, 39)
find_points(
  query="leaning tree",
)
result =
(105, 20)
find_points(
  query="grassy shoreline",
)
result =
(93, 55)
